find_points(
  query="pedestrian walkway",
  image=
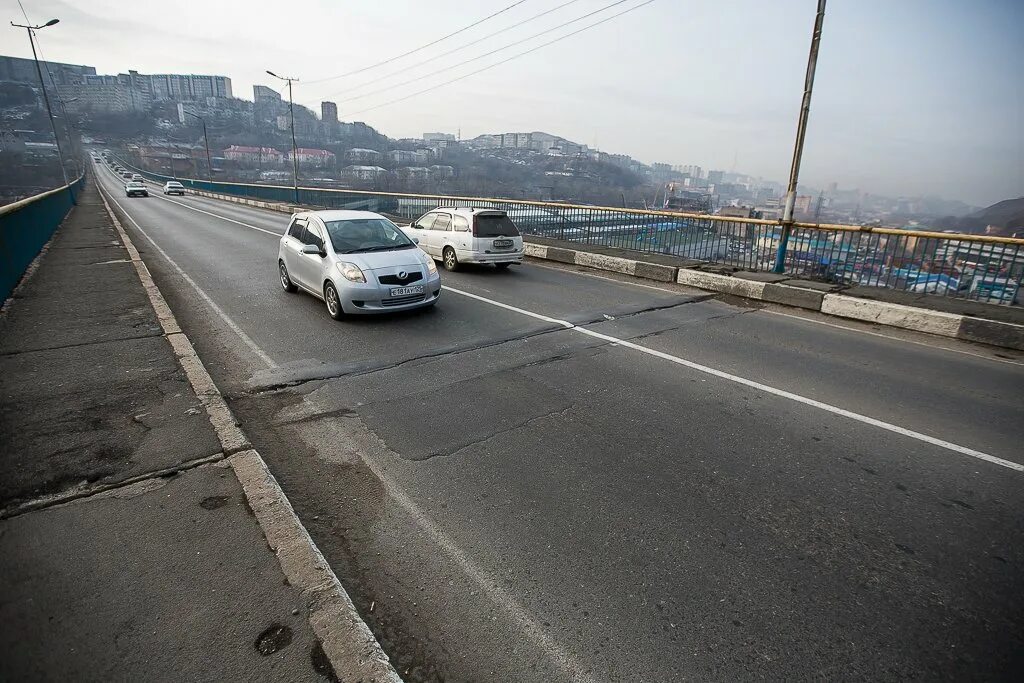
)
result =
(127, 548)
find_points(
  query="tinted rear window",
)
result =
(494, 225)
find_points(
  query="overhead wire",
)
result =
(503, 61)
(486, 54)
(457, 49)
(415, 50)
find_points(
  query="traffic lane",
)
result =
(665, 523)
(967, 400)
(237, 268)
(590, 299)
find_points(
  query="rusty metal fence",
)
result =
(977, 267)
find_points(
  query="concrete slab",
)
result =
(165, 580)
(759, 276)
(817, 286)
(720, 283)
(992, 332)
(793, 296)
(894, 315)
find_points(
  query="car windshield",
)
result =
(174, 185)
(366, 234)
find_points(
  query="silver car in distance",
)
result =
(357, 262)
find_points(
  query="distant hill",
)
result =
(1008, 215)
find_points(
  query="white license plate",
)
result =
(407, 291)
(502, 244)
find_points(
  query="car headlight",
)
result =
(351, 272)
(431, 266)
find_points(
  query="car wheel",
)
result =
(286, 281)
(451, 261)
(502, 266)
(333, 301)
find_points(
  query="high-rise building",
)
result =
(329, 112)
(262, 92)
(188, 87)
(715, 177)
(437, 137)
(22, 70)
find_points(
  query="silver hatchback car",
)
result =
(356, 262)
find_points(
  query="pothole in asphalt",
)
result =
(213, 502)
(274, 638)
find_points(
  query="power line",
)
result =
(421, 47)
(504, 61)
(486, 54)
(458, 49)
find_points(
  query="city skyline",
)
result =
(922, 137)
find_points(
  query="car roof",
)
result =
(467, 210)
(339, 215)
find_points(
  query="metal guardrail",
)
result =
(27, 225)
(977, 267)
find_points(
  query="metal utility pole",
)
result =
(206, 141)
(42, 84)
(798, 148)
(291, 113)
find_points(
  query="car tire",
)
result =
(450, 260)
(502, 266)
(286, 280)
(331, 295)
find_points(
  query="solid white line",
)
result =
(757, 385)
(203, 295)
(887, 336)
(223, 218)
(491, 586)
(930, 345)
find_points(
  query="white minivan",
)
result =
(460, 235)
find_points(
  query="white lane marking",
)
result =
(262, 355)
(490, 586)
(838, 326)
(887, 336)
(757, 385)
(223, 218)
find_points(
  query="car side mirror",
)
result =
(311, 249)
(415, 240)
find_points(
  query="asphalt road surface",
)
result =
(560, 475)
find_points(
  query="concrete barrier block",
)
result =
(992, 332)
(535, 250)
(721, 283)
(793, 296)
(655, 271)
(602, 262)
(561, 255)
(894, 315)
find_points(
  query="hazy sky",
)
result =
(911, 96)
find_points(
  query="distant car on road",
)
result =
(174, 187)
(466, 235)
(357, 262)
(136, 176)
(127, 175)
(134, 188)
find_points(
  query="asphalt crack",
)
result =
(455, 451)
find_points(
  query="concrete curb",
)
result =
(967, 328)
(347, 641)
(777, 290)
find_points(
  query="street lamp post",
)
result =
(291, 113)
(42, 84)
(206, 141)
(798, 148)
(76, 148)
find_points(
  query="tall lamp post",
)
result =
(76, 149)
(206, 141)
(291, 113)
(42, 84)
(798, 148)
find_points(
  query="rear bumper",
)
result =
(138, 194)
(484, 257)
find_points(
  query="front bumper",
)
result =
(363, 298)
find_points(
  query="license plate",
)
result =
(407, 291)
(502, 244)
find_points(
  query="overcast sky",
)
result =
(911, 97)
